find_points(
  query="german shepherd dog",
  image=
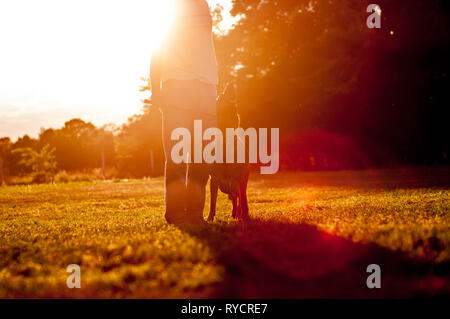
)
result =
(230, 178)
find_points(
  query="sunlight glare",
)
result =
(65, 59)
(161, 18)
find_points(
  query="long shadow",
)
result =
(282, 260)
(405, 178)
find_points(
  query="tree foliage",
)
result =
(137, 142)
(42, 163)
(79, 145)
(5, 148)
(305, 65)
(343, 95)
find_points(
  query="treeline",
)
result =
(132, 150)
(344, 96)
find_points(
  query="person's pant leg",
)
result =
(175, 174)
(186, 101)
(198, 173)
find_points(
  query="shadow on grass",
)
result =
(281, 260)
(406, 178)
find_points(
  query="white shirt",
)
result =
(188, 52)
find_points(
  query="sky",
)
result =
(62, 59)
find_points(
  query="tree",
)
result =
(79, 145)
(5, 149)
(137, 142)
(15, 167)
(304, 65)
(42, 163)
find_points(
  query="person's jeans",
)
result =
(185, 185)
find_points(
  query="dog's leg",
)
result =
(243, 196)
(235, 205)
(238, 205)
(214, 187)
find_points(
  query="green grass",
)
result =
(117, 234)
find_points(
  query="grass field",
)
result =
(311, 235)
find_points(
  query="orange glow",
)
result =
(63, 59)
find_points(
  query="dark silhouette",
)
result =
(344, 96)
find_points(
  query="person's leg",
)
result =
(198, 174)
(175, 174)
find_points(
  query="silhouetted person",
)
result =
(183, 78)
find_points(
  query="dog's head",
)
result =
(227, 113)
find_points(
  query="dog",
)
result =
(230, 178)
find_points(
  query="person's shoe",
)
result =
(196, 220)
(175, 218)
(184, 219)
(195, 217)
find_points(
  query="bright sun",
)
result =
(84, 58)
(160, 19)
